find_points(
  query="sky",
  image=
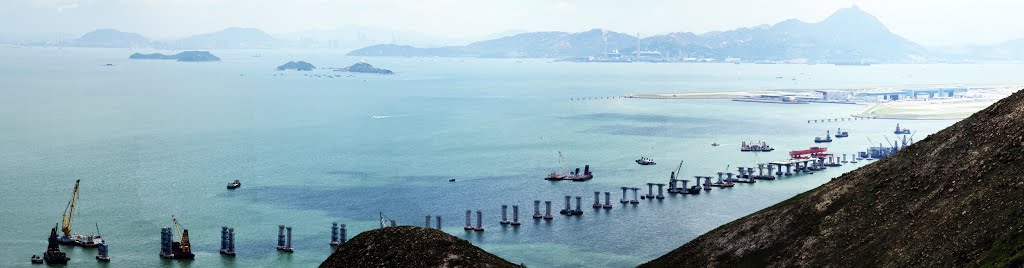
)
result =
(935, 23)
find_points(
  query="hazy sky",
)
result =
(929, 22)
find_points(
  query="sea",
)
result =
(149, 139)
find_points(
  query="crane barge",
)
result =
(67, 218)
(177, 250)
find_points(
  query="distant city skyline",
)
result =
(935, 23)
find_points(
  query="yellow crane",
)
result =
(183, 238)
(69, 212)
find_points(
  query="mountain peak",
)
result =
(852, 15)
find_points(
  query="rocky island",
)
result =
(296, 65)
(410, 246)
(363, 67)
(188, 56)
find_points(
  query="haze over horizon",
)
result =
(943, 23)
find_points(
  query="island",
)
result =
(187, 56)
(296, 65)
(363, 67)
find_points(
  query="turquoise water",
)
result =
(150, 139)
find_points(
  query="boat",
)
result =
(37, 259)
(101, 255)
(828, 138)
(755, 147)
(841, 134)
(451, 180)
(53, 255)
(573, 176)
(723, 184)
(644, 161)
(715, 144)
(901, 131)
(234, 185)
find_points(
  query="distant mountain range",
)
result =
(229, 38)
(848, 35)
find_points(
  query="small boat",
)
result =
(841, 134)
(555, 176)
(451, 180)
(714, 144)
(723, 184)
(234, 185)
(102, 255)
(644, 161)
(828, 138)
(37, 259)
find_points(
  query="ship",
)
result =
(644, 161)
(828, 138)
(755, 147)
(573, 176)
(53, 255)
(841, 134)
(234, 185)
(67, 218)
(901, 131)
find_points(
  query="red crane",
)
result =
(812, 152)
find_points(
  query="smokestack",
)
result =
(586, 170)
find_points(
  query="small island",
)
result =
(296, 65)
(363, 67)
(187, 56)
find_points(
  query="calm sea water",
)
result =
(151, 139)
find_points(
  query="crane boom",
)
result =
(69, 212)
(176, 229)
(680, 167)
(563, 162)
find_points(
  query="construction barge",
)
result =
(571, 176)
(755, 147)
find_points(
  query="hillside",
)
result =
(954, 199)
(409, 246)
(230, 38)
(110, 38)
(848, 35)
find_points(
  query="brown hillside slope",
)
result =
(408, 246)
(955, 199)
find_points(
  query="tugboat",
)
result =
(828, 138)
(101, 255)
(53, 255)
(234, 185)
(901, 131)
(644, 161)
(841, 134)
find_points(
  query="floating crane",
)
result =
(175, 250)
(67, 218)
